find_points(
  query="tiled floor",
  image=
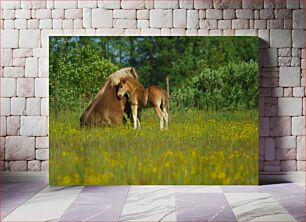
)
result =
(39, 202)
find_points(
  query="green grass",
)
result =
(198, 148)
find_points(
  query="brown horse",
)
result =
(106, 109)
(139, 96)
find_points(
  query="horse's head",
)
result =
(122, 89)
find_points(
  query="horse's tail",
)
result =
(165, 100)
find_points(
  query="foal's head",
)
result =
(122, 89)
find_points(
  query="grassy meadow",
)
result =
(198, 148)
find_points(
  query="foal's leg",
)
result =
(160, 115)
(134, 113)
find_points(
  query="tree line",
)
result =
(204, 72)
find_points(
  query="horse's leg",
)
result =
(160, 115)
(165, 115)
(134, 113)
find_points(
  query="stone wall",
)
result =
(26, 25)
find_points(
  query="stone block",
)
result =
(298, 92)
(203, 4)
(298, 38)
(33, 106)
(285, 154)
(34, 165)
(229, 14)
(245, 14)
(19, 148)
(8, 87)
(13, 72)
(288, 92)
(179, 18)
(283, 14)
(143, 14)
(31, 67)
(29, 38)
(87, 18)
(240, 24)
(187, 4)
(299, 19)
(214, 14)
(150, 32)
(285, 142)
(10, 5)
(22, 53)
(41, 87)
(288, 165)
(20, 23)
(63, 4)
(19, 62)
(8, 24)
(192, 19)
(8, 14)
(271, 168)
(208, 24)
(18, 106)
(9, 38)
(42, 142)
(269, 149)
(45, 24)
(5, 107)
(23, 14)
(142, 23)
(43, 13)
(13, 125)
(109, 4)
(301, 166)
(227, 4)
(87, 4)
(270, 57)
(33, 4)
(18, 165)
(280, 38)
(45, 165)
(6, 57)
(264, 126)
(264, 38)
(160, 18)
(45, 106)
(3, 132)
(125, 23)
(58, 13)
(25, 87)
(102, 18)
(34, 126)
(289, 106)
(224, 24)
(165, 4)
(252, 4)
(289, 76)
(280, 126)
(43, 67)
(68, 24)
(42, 154)
(293, 4)
(124, 14)
(73, 13)
(298, 126)
(301, 148)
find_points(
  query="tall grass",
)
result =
(198, 148)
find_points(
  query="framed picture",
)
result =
(153, 110)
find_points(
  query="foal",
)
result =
(139, 96)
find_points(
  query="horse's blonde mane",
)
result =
(116, 77)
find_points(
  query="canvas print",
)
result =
(153, 110)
